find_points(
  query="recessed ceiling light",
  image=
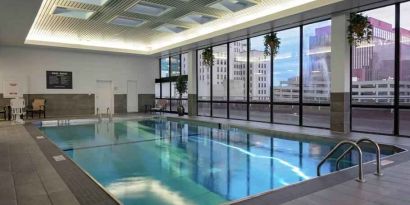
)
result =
(126, 21)
(171, 28)
(148, 8)
(232, 5)
(72, 12)
(197, 18)
(93, 2)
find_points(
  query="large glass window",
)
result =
(316, 74)
(175, 65)
(164, 67)
(373, 75)
(286, 67)
(373, 62)
(259, 71)
(316, 62)
(184, 64)
(204, 79)
(405, 69)
(165, 86)
(238, 72)
(219, 73)
(272, 88)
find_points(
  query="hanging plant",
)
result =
(208, 57)
(359, 30)
(272, 43)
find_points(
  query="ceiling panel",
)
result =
(97, 31)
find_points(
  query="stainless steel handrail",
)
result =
(359, 151)
(378, 155)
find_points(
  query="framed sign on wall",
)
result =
(59, 80)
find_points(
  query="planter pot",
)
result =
(181, 110)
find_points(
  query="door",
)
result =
(104, 97)
(132, 96)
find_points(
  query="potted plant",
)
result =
(181, 87)
(272, 43)
(207, 57)
(359, 30)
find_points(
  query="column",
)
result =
(340, 76)
(192, 84)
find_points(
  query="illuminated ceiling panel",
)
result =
(171, 28)
(152, 26)
(148, 8)
(72, 12)
(233, 5)
(126, 21)
(93, 2)
(196, 17)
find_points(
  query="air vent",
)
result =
(126, 21)
(197, 18)
(93, 2)
(232, 5)
(72, 12)
(170, 28)
(150, 9)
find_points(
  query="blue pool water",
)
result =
(164, 162)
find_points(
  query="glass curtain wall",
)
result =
(259, 87)
(238, 78)
(404, 100)
(286, 78)
(381, 74)
(260, 73)
(165, 87)
(316, 74)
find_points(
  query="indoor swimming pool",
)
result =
(157, 161)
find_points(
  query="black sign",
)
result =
(59, 80)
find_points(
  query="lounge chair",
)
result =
(37, 106)
(160, 106)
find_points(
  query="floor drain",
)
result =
(40, 137)
(59, 158)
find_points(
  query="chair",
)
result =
(3, 111)
(37, 106)
(160, 106)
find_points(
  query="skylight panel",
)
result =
(232, 5)
(170, 28)
(150, 9)
(197, 18)
(72, 12)
(126, 21)
(93, 2)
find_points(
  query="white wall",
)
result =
(30, 65)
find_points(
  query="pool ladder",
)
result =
(353, 145)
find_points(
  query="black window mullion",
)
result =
(397, 71)
(301, 76)
(248, 77)
(170, 74)
(271, 85)
(211, 82)
(227, 80)
(197, 79)
(160, 83)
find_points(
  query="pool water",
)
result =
(156, 161)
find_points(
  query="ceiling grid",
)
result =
(97, 30)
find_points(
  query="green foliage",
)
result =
(359, 30)
(272, 43)
(181, 85)
(208, 56)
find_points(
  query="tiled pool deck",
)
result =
(30, 175)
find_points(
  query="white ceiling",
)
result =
(157, 33)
